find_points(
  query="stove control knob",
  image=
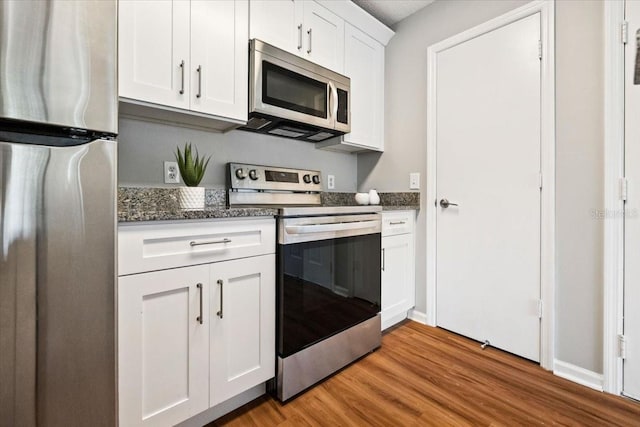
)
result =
(253, 174)
(307, 178)
(240, 174)
(316, 179)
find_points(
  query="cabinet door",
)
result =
(242, 326)
(153, 49)
(364, 64)
(277, 22)
(397, 278)
(323, 37)
(220, 58)
(163, 349)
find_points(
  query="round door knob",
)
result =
(316, 179)
(253, 174)
(240, 174)
(307, 178)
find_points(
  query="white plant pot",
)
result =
(191, 198)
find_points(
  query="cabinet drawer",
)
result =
(149, 247)
(398, 222)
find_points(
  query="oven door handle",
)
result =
(325, 228)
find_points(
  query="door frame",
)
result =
(547, 229)
(614, 148)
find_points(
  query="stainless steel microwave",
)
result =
(295, 98)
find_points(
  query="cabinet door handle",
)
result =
(397, 222)
(200, 318)
(299, 36)
(182, 77)
(309, 32)
(221, 283)
(199, 70)
(383, 259)
(210, 242)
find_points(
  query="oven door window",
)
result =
(325, 287)
(287, 89)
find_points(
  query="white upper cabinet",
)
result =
(364, 64)
(324, 34)
(190, 55)
(301, 27)
(277, 22)
(219, 57)
(154, 51)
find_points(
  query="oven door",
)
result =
(325, 286)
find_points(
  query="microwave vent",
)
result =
(289, 132)
(320, 136)
(257, 123)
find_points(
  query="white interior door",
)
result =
(631, 364)
(488, 162)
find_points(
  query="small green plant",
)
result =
(191, 169)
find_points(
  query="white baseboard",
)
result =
(578, 375)
(417, 316)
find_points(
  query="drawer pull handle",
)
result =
(221, 283)
(211, 242)
(397, 222)
(383, 263)
(200, 318)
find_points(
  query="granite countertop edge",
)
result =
(206, 213)
(136, 204)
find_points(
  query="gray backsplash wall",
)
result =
(144, 146)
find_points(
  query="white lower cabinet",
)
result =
(163, 348)
(192, 337)
(398, 266)
(242, 325)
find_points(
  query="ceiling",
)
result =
(390, 12)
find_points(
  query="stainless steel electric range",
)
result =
(327, 273)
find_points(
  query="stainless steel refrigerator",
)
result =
(58, 122)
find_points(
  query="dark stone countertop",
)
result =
(162, 204)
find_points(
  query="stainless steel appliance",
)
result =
(58, 121)
(328, 274)
(295, 98)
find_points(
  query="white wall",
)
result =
(579, 181)
(579, 142)
(144, 146)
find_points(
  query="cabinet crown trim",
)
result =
(360, 19)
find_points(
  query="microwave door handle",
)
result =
(333, 104)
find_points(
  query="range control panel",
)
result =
(241, 176)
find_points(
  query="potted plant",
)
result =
(192, 171)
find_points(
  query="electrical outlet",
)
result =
(414, 181)
(331, 182)
(171, 173)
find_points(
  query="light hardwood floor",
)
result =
(425, 376)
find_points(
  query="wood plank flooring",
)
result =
(425, 376)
